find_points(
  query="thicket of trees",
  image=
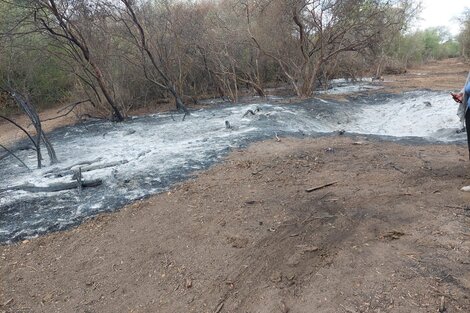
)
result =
(118, 54)
(464, 36)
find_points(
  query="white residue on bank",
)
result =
(152, 150)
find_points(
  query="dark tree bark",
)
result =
(142, 42)
(73, 36)
(56, 187)
(9, 152)
(31, 112)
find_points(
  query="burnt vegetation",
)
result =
(103, 59)
(122, 55)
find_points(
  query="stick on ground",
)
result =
(320, 187)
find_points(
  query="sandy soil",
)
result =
(448, 75)
(10, 133)
(390, 233)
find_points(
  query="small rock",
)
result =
(465, 188)
(47, 297)
(276, 277)
(237, 242)
(393, 235)
(310, 248)
(283, 307)
(307, 248)
(442, 305)
(294, 259)
(290, 275)
(189, 283)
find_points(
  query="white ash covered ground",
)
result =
(146, 155)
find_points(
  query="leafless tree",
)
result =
(319, 31)
(156, 72)
(32, 114)
(70, 22)
(128, 52)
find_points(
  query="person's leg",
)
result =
(467, 126)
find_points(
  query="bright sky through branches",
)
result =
(442, 13)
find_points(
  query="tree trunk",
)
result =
(179, 103)
(71, 33)
(50, 149)
(36, 121)
(117, 116)
(309, 75)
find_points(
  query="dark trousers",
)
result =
(467, 127)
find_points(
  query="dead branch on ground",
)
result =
(54, 187)
(14, 155)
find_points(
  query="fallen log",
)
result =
(251, 112)
(62, 173)
(102, 166)
(67, 170)
(55, 187)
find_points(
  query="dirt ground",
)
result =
(10, 133)
(448, 75)
(333, 224)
